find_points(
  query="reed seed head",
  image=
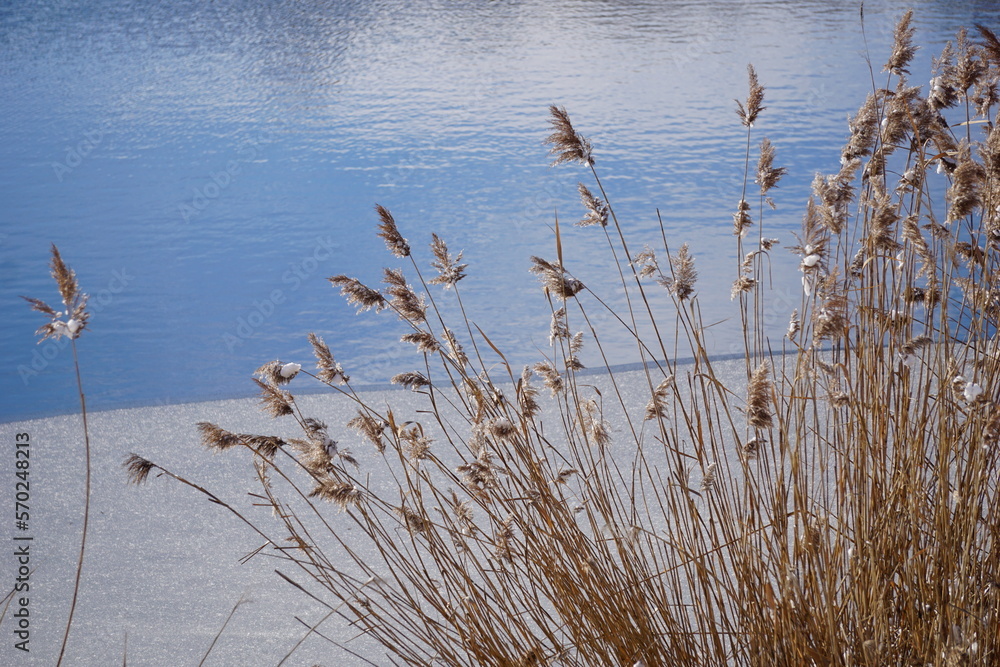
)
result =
(759, 397)
(343, 494)
(404, 300)
(840, 399)
(416, 446)
(567, 144)
(217, 438)
(371, 428)
(755, 100)
(658, 403)
(478, 475)
(276, 402)
(550, 376)
(882, 218)
(864, 127)
(359, 295)
(502, 428)
(914, 344)
(531, 658)
(741, 219)
(597, 428)
(277, 373)
(830, 319)
(412, 380)
(903, 49)
(389, 232)
(794, 324)
(645, 262)
(964, 194)
(558, 329)
(265, 445)
(450, 269)
(74, 303)
(504, 540)
(455, 350)
(991, 432)
(575, 345)
(597, 209)
(741, 285)
(137, 469)
(329, 370)
(464, 517)
(413, 521)
(555, 280)
(969, 65)
(527, 395)
(767, 174)
(708, 480)
(681, 284)
(424, 341)
(751, 448)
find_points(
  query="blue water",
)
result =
(204, 167)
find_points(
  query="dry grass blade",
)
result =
(232, 612)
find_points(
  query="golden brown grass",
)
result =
(838, 507)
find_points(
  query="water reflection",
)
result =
(238, 138)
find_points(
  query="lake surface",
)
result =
(204, 167)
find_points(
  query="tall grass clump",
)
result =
(836, 503)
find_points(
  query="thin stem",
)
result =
(86, 505)
(222, 629)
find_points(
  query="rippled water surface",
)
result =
(204, 167)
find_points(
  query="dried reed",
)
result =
(75, 322)
(839, 507)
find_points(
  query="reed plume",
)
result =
(389, 232)
(358, 294)
(759, 397)
(567, 144)
(903, 49)
(597, 209)
(754, 105)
